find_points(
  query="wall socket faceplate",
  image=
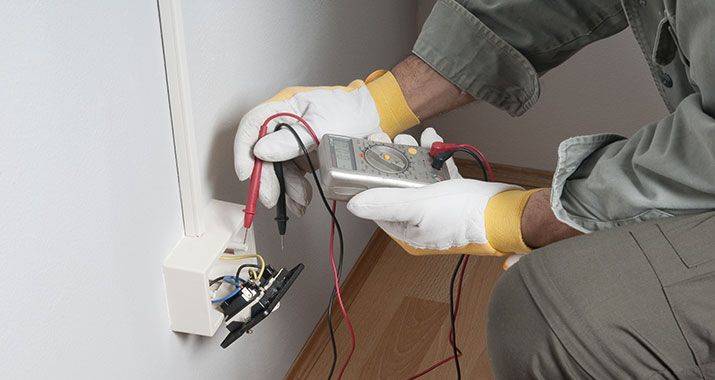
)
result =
(195, 260)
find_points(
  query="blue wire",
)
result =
(237, 285)
(227, 297)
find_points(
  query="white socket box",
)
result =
(195, 260)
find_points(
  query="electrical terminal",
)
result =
(249, 293)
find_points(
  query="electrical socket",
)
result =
(195, 261)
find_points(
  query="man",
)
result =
(634, 298)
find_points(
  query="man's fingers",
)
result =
(388, 204)
(452, 169)
(295, 208)
(282, 146)
(380, 137)
(405, 139)
(397, 230)
(297, 186)
(511, 260)
(428, 137)
(242, 156)
(269, 189)
(247, 135)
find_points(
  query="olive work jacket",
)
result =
(496, 51)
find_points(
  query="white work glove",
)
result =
(356, 110)
(449, 217)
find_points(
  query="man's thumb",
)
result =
(282, 145)
(387, 204)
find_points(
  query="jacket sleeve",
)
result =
(666, 168)
(496, 50)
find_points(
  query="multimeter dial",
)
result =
(386, 159)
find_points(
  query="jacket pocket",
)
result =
(685, 265)
(665, 45)
(692, 239)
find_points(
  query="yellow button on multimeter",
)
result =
(351, 165)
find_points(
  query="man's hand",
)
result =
(446, 217)
(389, 103)
(356, 110)
(463, 216)
(442, 218)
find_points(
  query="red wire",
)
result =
(464, 266)
(263, 132)
(466, 260)
(250, 209)
(340, 298)
(486, 163)
(439, 147)
(305, 123)
(456, 309)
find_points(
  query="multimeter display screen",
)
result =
(343, 150)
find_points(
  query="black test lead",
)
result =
(281, 215)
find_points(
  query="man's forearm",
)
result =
(539, 226)
(426, 91)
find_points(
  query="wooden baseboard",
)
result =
(525, 177)
(317, 342)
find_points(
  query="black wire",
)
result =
(340, 259)
(340, 238)
(476, 157)
(218, 279)
(452, 316)
(254, 266)
(215, 280)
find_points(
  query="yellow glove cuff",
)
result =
(395, 115)
(502, 220)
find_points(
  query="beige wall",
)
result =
(604, 88)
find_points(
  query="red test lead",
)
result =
(253, 188)
(439, 147)
(250, 211)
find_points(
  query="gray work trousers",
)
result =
(632, 302)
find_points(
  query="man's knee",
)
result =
(520, 342)
(509, 335)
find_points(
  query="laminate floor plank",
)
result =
(414, 291)
(406, 340)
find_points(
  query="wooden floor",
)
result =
(399, 307)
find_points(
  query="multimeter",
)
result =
(351, 165)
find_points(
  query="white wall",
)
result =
(241, 53)
(606, 87)
(88, 187)
(89, 201)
